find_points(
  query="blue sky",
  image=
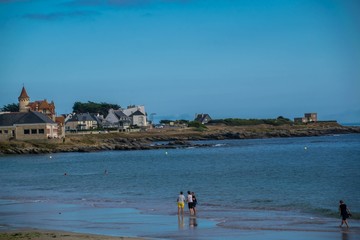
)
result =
(228, 58)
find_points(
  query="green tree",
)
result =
(93, 107)
(13, 107)
(165, 121)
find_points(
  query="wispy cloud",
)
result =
(121, 3)
(59, 15)
(11, 1)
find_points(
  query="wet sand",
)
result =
(45, 221)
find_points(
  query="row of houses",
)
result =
(38, 120)
(120, 119)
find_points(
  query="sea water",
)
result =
(259, 184)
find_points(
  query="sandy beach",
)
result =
(32, 234)
(36, 234)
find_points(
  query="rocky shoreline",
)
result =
(167, 139)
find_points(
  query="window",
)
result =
(33, 131)
(41, 131)
(0, 131)
(26, 131)
(6, 131)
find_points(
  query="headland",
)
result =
(168, 138)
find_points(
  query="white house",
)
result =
(138, 118)
(124, 118)
(117, 119)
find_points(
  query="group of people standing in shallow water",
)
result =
(191, 201)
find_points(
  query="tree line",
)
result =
(78, 107)
(93, 107)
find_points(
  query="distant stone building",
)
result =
(27, 126)
(24, 101)
(202, 118)
(311, 117)
(308, 118)
(42, 106)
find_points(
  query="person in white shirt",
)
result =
(181, 203)
(190, 203)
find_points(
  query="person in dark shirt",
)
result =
(344, 213)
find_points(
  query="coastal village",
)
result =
(37, 120)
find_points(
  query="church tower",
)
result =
(24, 101)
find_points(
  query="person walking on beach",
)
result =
(344, 213)
(190, 203)
(181, 203)
(194, 202)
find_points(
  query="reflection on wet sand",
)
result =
(192, 221)
(344, 235)
(181, 222)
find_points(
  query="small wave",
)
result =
(39, 201)
(219, 144)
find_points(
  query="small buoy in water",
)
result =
(305, 148)
(50, 157)
(166, 153)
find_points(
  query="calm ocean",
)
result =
(270, 184)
